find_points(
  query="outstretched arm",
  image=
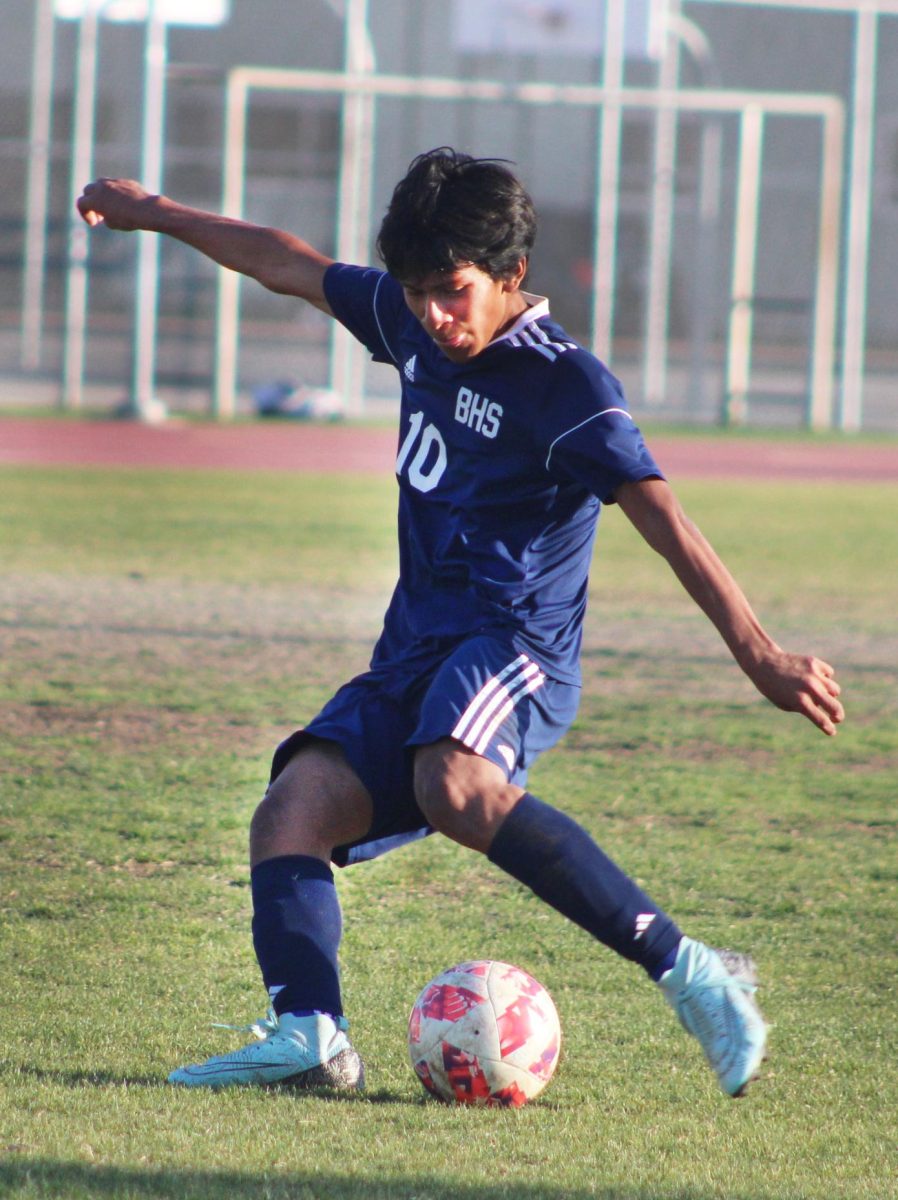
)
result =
(794, 682)
(279, 261)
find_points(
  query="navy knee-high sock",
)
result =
(297, 925)
(558, 860)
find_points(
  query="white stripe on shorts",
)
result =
(495, 700)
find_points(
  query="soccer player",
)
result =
(511, 439)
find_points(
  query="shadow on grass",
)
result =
(77, 1079)
(39, 1177)
(106, 1079)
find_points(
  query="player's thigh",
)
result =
(315, 802)
(369, 719)
(462, 794)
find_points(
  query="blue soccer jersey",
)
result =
(503, 464)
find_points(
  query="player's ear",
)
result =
(515, 278)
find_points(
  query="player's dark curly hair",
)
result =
(452, 210)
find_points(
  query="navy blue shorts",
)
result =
(484, 693)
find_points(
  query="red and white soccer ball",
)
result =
(484, 1033)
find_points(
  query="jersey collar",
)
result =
(537, 306)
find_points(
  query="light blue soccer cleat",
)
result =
(712, 992)
(304, 1052)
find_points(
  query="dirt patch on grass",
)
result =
(118, 729)
(96, 666)
(93, 670)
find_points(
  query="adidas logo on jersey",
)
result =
(409, 369)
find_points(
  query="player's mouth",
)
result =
(452, 346)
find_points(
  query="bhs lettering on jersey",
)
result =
(478, 412)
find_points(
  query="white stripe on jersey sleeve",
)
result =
(537, 339)
(539, 332)
(377, 319)
(529, 340)
(574, 428)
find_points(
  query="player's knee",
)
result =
(314, 804)
(461, 795)
(441, 796)
(271, 813)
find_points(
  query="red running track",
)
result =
(287, 446)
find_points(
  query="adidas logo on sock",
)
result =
(643, 921)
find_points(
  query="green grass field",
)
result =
(159, 632)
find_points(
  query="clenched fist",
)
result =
(118, 203)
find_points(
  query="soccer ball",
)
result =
(484, 1033)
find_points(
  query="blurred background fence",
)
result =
(717, 182)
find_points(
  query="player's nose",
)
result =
(434, 316)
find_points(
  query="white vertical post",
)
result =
(36, 186)
(820, 401)
(227, 322)
(705, 273)
(744, 255)
(662, 217)
(608, 182)
(152, 139)
(859, 189)
(354, 198)
(75, 334)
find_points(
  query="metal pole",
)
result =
(608, 182)
(705, 273)
(820, 405)
(152, 139)
(662, 216)
(859, 189)
(354, 197)
(883, 7)
(227, 320)
(75, 334)
(744, 255)
(36, 187)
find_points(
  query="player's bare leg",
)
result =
(316, 802)
(463, 795)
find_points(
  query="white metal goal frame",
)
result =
(866, 16)
(363, 88)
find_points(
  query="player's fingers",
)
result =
(833, 710)
(817, 716)
(826, 712)
(89, 215)
(824, 670)
(83, 203)
(826, 692)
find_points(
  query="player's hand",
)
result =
(803, 684)
(118, 203)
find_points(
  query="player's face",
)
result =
(463, 310)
